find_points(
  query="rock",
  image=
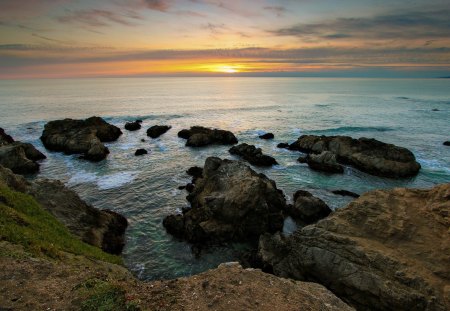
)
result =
(387, 250)
(140, 152)
(446, 143)
(267, 136)
(325, 162)
(19, 157)
(307, 208)
(346, 193)
(368, 155)
(253, 155)
(196, 173)
(199, 136)
(230, 203)
(283, 146)
(189, 187)
(435, 109)
(102, 228)
(133, 126)
(181, 187)
(80, 137)
(157, 130)
(142, 140)
(138, 121)
(302, 159)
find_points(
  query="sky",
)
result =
(121, 38)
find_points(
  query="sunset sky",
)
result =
(84, 38)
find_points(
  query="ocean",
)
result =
(412, 113)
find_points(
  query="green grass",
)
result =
(23, 221)
(103, 296)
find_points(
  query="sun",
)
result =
(227, 69)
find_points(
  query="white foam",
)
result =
(82, 177)
(115, 180)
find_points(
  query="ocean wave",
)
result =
(115, 180)
(352, 129)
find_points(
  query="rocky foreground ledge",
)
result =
(84, 137)
(368, 155)
(387, 250)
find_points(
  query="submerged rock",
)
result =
(198, 136)
(387, 250)
(253, 155)
(157, 130)
(133, 126)
(267, 136)
(102, 228)
(325, 162)
(283, 146)
(307, 208)
(446, 143)
(80, 137)
(346, 193)
(19, 157)
(231, 202)
(140, 152)
(368, 155)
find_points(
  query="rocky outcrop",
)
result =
(231, 202)
(325, 162)
(283, 146)
(80, 137)
(19, 157)
(267, 136)
(198, 136)
(446, 143)
(157, 130)
(345, 193)
(368, 155)
(307, 208)
(252, 155)
(140, 152)
(133, 126)
(387, 250)
(102, 228)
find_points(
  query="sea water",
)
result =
(411, 113)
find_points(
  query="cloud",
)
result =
(158, 5)
(278, 10)
(99, 18)
(24, 9)
(405, 25)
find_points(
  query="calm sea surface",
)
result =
(144, 189)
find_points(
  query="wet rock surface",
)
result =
(133, 126)
(157, 130)
(368, 155)
(346, 193)
(252, 155)
(198, 136)
(140, 152)
(325, 162)
(84, 137)
(20, 157)
(307, 208)
(231, 202)
(387, 250)
(267, 136)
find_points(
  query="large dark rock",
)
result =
(325, 162)
(157, 130)
(80, 137)
(133, 126)
(267, 136)
(19, 157)
(283, 146)
(140, 152)
(387, 250)
(253, 155)
(231, 202)
(307, 208)
(198, 136)
(446, 143)
(368, 155)
(102, 228)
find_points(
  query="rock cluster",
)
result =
(198, 136)
(252, 155)
(80, 137)
(19, 157)
(368, 155)
(230, 202)
(387, 250)
(157, 130)
(102, 228)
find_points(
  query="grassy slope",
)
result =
(23, 221)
